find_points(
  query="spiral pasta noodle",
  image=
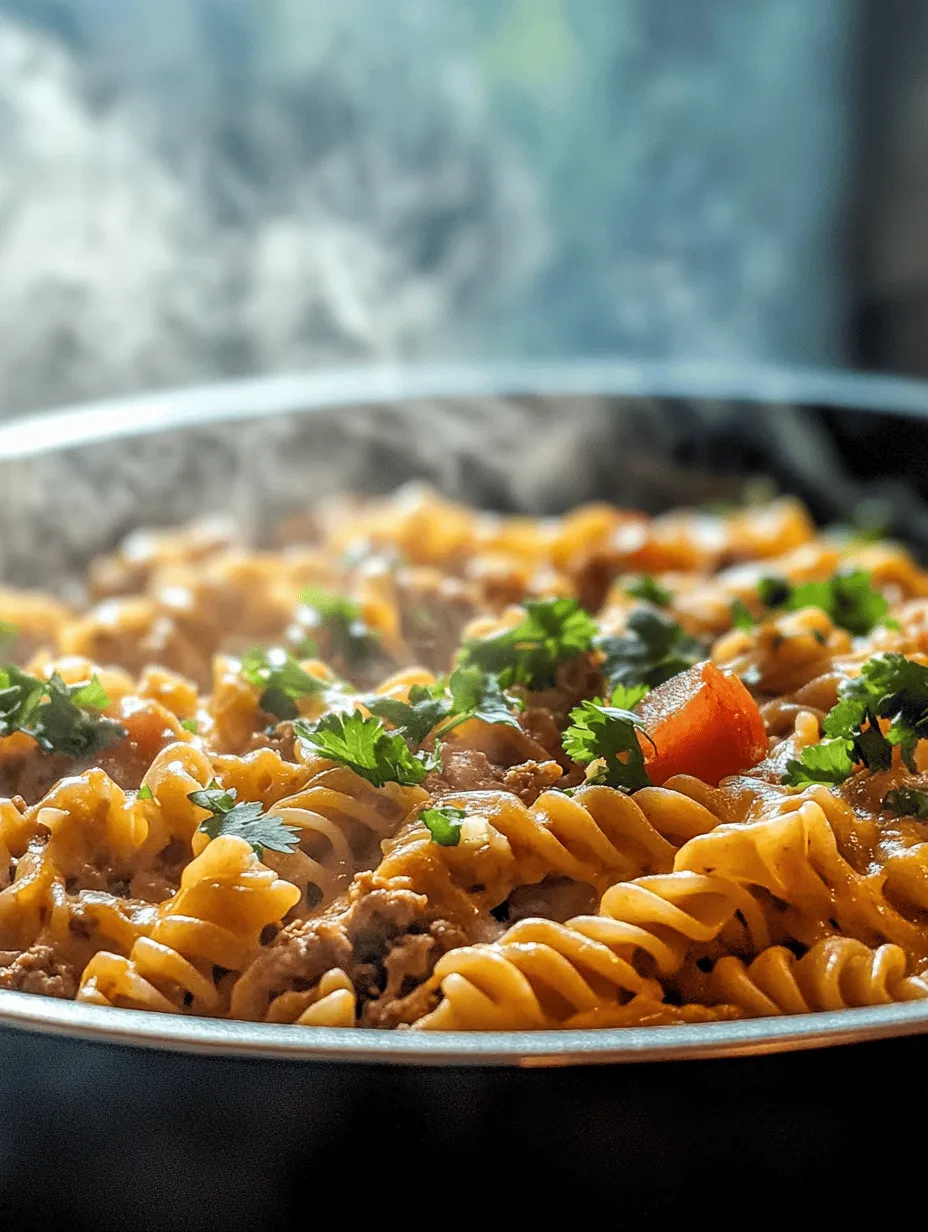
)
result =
(227, 897)
(541, 974)
(836, 973)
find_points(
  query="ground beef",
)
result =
(529, 780)
(464, 770)
(38, 970)
(387, 940)
(282, 741)
(34, 773)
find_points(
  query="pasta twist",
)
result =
(836, 973)
(341, 820)
(795, 858)
(331, 1003)
(178, 770)
(227, 898)
(541, 974)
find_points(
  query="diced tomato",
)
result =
(703, 722)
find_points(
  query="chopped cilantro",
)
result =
(908, 802)
(365, 746)
(651, 650)
(62, 718)
(145, 793)
(773, 591)
(444, 824)
(741, 618)
(282, 681)
(476, 694)
(648, 590)
(469, 693)
(248, 820)
(551, 631)
(190, 725)
(413, 720)
(889, 687)
(608, 734)
(342, 619)
(850, 600)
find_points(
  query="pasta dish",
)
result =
(420, 767)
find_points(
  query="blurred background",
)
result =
(199, 189)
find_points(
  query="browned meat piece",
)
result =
(32, 773)
(530, 779)
(387, 940)
(407, 965)
(38, 970)
(464, 770)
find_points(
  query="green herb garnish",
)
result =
(414, 719)
(551, 631)
(608, 734)
(264, 831)
(342, 619)
(444, 824)
(907, 802)
(889, 687)
(145, 793)
(648, 590)
(849, 599)
(468, 693)
(651, 650)
(281, 679)
(741, 618)
(365, 746)
(8, 634)
(190, 725)
(61, 718)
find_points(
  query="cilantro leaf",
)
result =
(645, 587)
(829, 761)
(607, 734)
(365, 746)
(469, 693)
(476, 694)
(413, 720)
(850, 600)
(190, 725)
(444, 824)
(61, 718)
(551, 631)
(741, 618)
(627, 697)
(144, 793)
(343, 620)
(773, 591)
(264, 831)
(889, 687)
(282, 681)
(907, 802)
(651, 650)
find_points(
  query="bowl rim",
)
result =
(253, 398)
(527, 1049)
(119, 418)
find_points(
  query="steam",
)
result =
(147, 239)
